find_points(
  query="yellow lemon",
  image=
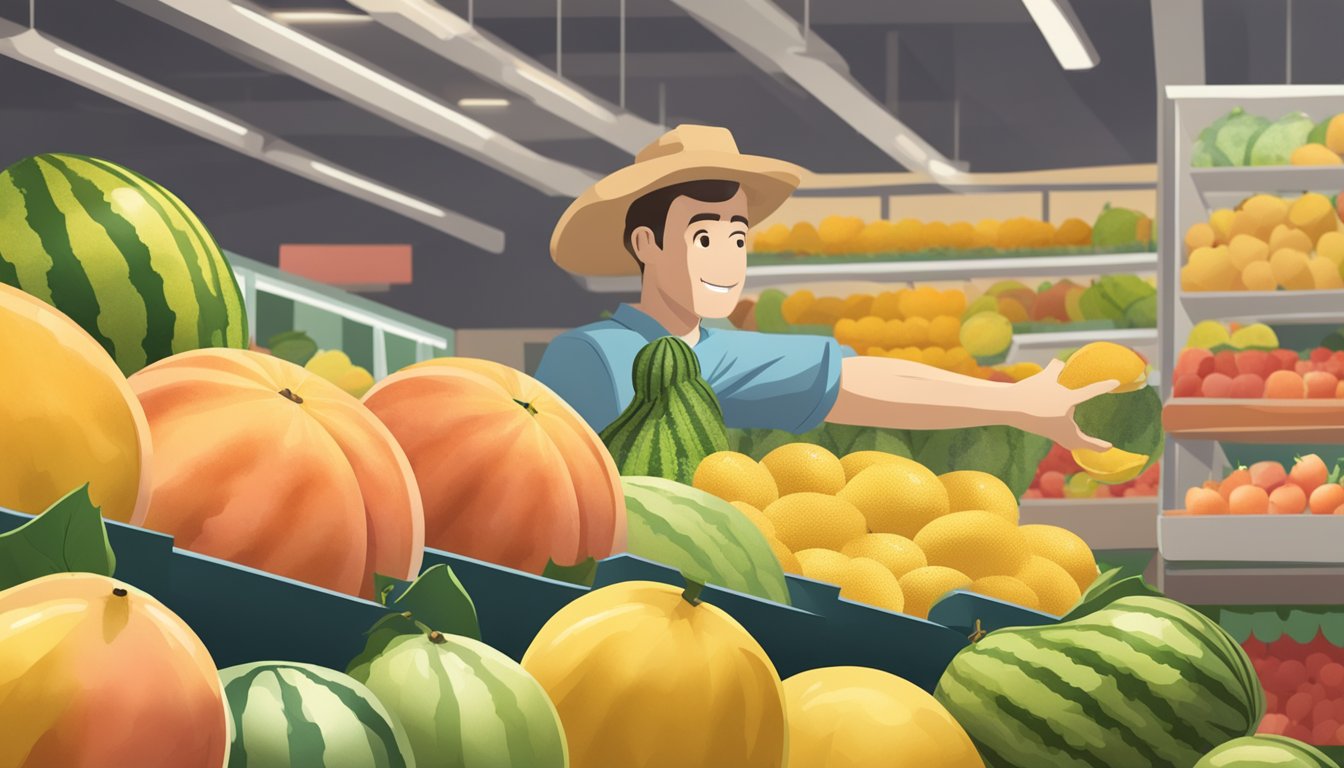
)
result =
(809, 520)
(899, 554)
(1053, 585)
(970, 489)
(945, 331)
(736, 476)
(787, 560)
(986, 334)
(799, 467)
(795, 305)
(1064, 548)
(757, 518)
(1008, 589)
(869, 582)
(1221, 221)
(975, 542)
(1103, 360)
(822, 564)
(858, 717)
(923, 587)
(897, 497)
(856, 462)
(1110, 466)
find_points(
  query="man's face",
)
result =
(703, 262)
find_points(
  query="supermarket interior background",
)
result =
(1135, 190)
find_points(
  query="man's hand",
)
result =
(1046, 407)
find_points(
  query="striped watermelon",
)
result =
(705, 537)
(1145, 681)
(287, 715)
(674, 419)
(1265, 751)
(463, 704)
(119, 254)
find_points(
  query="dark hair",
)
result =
(651, 209)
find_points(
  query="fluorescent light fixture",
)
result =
(942, 169)
(558, 87)
(912, 148)
(376, 188)
(482, 103)
(320, 17)
(367, 73)
(170, 100)
(1063, 32)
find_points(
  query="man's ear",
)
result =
(646, 248)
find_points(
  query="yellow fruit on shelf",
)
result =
(945, 331)
(1314, 154)
(856, 462)
(356, 380)
(1291, 269)
(1256, 335)
(935, 357)
(971, 489)
(803, 239)
(772, 240)
(617, 659)
(857, 717)
(916, 330)
(795, 304)
(823, 311)
(787, 560)
(1285, 236)
(1075, 232)
(846, 331)
(1331, 246)
(857, 306)
(1221, 221)
(1199, 235)
(1314, 214)
(886, 305)
(1052, 585)
(1008, 589)
(936, 234)
(954, 303)
(1022, 232)
(877, 237)
(1245, 250)
(1324, 274)
(1013, 309)
(986, 334)
(1208, 334)
(1110, 466)
(898, 497)
(821, 564)
(1269, 211)
(736, 476)
(1334, 134)
(897, 554)
(838, 233)
(799, 467)
(988, 231)
(815, 520)
(757, 518)
(1064, 548)
(909, 235)
(975, 542)
(923, 587)
(924, 302)
(1102, 361)
(1209, 269)
(959, 360)
(961, 235)
(871, 583)
(1258, 276)
(893, 334)
(870, 331)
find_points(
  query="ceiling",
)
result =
(974, 78)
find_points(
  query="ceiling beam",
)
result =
(249, 32)
(67, 62)
(450, 36)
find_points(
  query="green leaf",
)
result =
(1106, 589)
(1237, 624)
(436, 599)
(295, 346)
(581, 573)
(68, 537)
(1302, 626)
(1267, 626)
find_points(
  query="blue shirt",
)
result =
(762, 380)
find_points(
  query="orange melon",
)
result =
(508, 472)
(94, 673)
(67, 416)
(263, 463)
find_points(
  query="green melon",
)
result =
(1145, 681)
(120, 255)
(1265, 751)
(462, 703)
(703, 536)
(1227, 141)
(287, 714)
(674, 419)
(1131, 421)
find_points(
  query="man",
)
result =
(679, 216)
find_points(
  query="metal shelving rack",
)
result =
(1238, 559)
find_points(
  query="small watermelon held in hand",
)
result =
(120, 255)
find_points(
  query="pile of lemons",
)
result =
(838, 235)
(892, 534)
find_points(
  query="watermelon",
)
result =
(673, 421)
(462, 703)
(1131, 421)
(1265, 751)
(703, 536)
(118, 254)
(1145, 681)
(289, 714)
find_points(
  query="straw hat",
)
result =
(587, 241)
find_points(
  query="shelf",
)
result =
(1279, 422)
(1040, 348)
(911, 271)
(1279, 178)
(1280, 539)
(1236, 584)
(1105, 524)
(1287, 307)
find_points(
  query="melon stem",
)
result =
(437, 637)
(288, 394)
(119, 591)
(526, 406)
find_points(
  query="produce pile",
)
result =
(848, 236)
(1267, 243)
(1304, 687)
(1240, 138)
(1267, 488)
(1059, 476)
(1248, 363)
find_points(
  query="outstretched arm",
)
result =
(899, 394)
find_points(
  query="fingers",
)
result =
(1083, 394)
(1054, 367)
(1093, 443)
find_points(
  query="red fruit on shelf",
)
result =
(1339, 709)
(1299, 706)
(1248, 500)
(1303, 367)
(1315, 663)
(1234, 480)
(1298, 731)
(1216, 385)
(1205, 501)
(1332, 677)
(1308, 473)
(1320, 355)
(1249, 386)
(1286, 358)
(1321, 384)
(1289, 676)
(1225, 362)
(1052, 485)
(1254, 647)
(1287, 499)
(1195, 361)
(1255, 361)
(1268, 474)
(1274, 723)
(1187, 385)
(1285, 385)
(1033, 493)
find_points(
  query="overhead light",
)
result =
(320, 17)
(376, 188)
(940, 168)
(559, 88)
(482, 103)
(1064, 33)
(170, 100)
(912, 148)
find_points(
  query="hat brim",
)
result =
(587, 240)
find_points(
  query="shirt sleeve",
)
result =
(575, 370)
(777, 381)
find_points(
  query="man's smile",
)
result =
(718, 288)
